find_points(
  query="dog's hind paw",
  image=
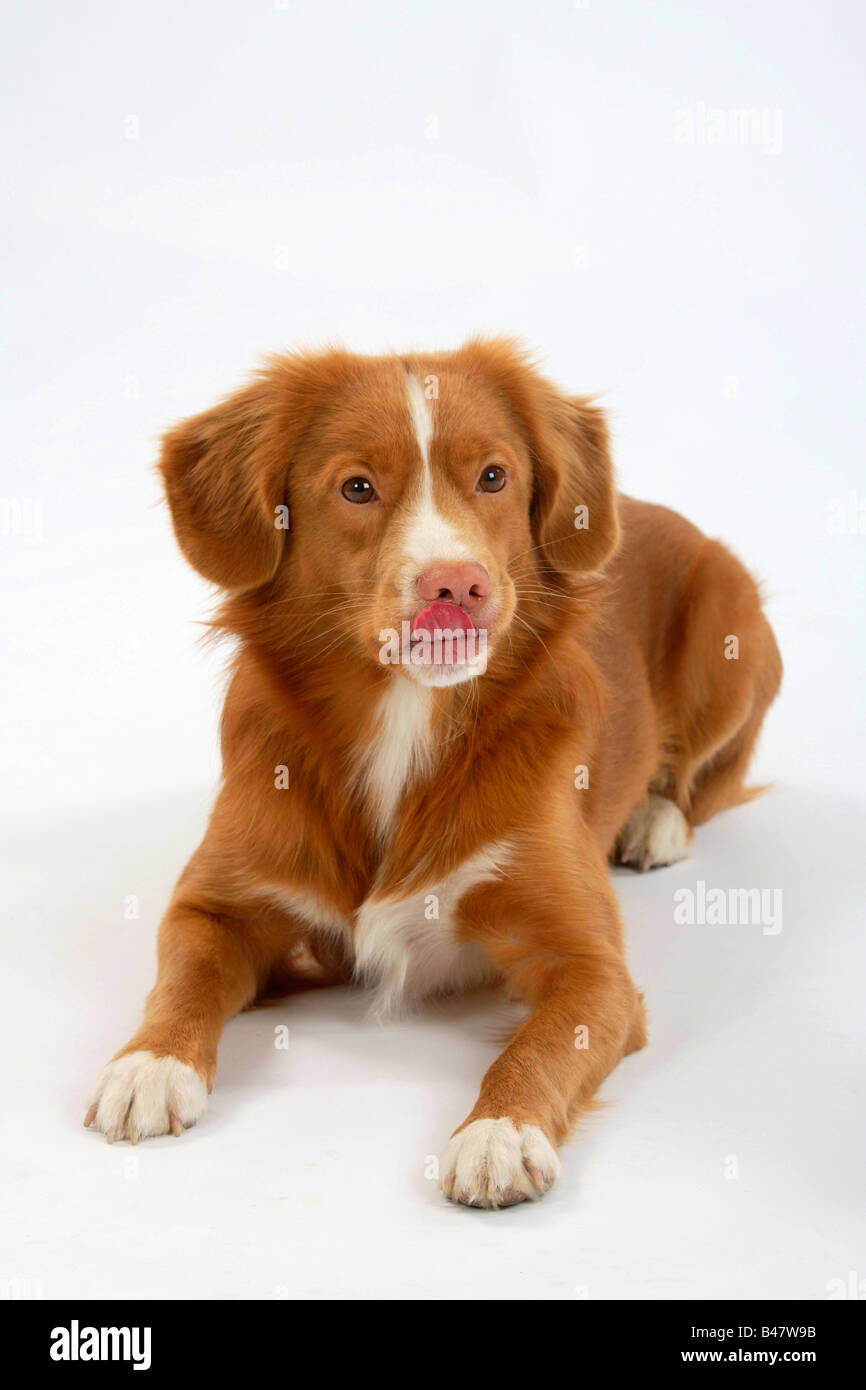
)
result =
(655, 833)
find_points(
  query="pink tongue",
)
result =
(439, 618)
(442, 616)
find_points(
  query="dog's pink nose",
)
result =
(465, 584)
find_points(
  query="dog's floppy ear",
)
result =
(226, 471)
(574, 509)
(224, 475)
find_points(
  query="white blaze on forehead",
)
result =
(429, 535)
(421, 410)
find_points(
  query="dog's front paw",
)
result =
(491, 1163)
(139, 1095)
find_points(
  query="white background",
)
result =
(187, 186)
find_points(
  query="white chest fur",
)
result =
(400, 749)
(405, 947)
(408, 947)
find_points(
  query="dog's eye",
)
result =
(358, 490)
(492, 479)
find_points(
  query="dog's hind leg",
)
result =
(726, 673)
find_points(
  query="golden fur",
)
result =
(608, 653)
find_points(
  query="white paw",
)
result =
(491, 1163)
(655, 833)
(140, 1095)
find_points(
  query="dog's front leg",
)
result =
(560, 949)
(209, 969)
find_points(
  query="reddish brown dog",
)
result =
(469, 674)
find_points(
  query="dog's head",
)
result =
(406, 507)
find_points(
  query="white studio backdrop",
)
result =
(665, 200)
